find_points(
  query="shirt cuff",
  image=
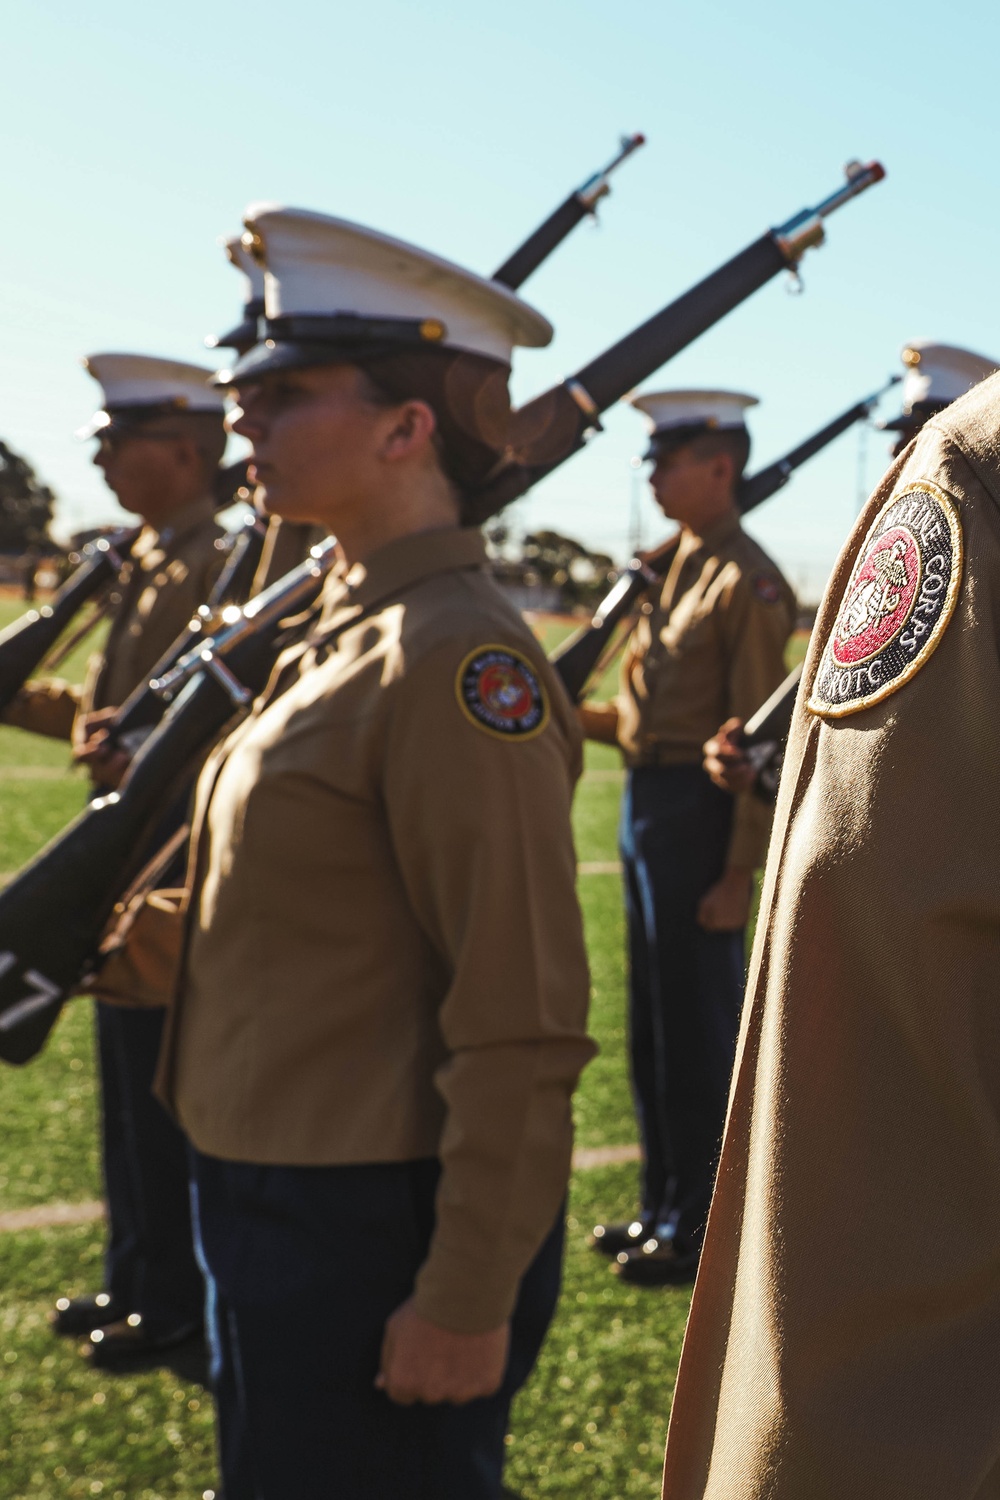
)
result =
(463, 1295)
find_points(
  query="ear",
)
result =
(724, 468)
(189, 455)
(411, 433)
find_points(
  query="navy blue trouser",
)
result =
(304, 1265)
(686, 987)
(150, 1264)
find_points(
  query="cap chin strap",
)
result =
(348, 328)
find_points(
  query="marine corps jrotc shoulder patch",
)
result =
(498, 690)
(901, 596)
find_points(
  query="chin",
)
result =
(284, 506)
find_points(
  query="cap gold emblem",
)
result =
(253, 244)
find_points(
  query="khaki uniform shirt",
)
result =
(385, 958)
(710, 647)
(167, 576)
(286, 545)
(845, 1333)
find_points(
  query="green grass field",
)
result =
(592, 1420)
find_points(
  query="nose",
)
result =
(246, 416)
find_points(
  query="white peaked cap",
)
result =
(332, 286)
(252, 271)
(137, 383)
(940, 373)
(713, 410)
(243, 335)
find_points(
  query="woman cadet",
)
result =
(380, 1016)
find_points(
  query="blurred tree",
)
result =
(580, 575)
(548, 560)
(25, 504)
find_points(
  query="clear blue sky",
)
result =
(134, 136)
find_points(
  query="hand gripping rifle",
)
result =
(53, 914)
(577, 658)
(548, 236)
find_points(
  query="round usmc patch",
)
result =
(901, 596)
(498, 690)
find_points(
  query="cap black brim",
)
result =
(272, 356)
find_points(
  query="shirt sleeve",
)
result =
(47, 708)
(480, 824)
(758, 623)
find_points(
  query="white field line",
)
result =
(37, 773)
(599, 867)
(54, 1215)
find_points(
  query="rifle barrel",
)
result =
(767, 482)
(562, 221)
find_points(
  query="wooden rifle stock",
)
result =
(25, 644)
(53, 913)
(576, 659)
(549, 236)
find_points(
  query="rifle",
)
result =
(28, 641)
(578, 657)
(553, 426)
(99, 857)
(143, 708)
(53, 914)
(562, 221)
(25, 644)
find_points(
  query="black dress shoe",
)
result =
(613, 1239)
(657, 1263)
(131, 1338)
(74, 1315)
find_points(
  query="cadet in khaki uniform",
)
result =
(160, 438)
(713, 640)
(844, 1333)
(381, 1010)
(934, 375)
(286, 544)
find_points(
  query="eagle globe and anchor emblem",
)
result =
(499, 690)
(901, 595)
(878, 606)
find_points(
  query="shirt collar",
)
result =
(187, 518)
(715, 537)
(397, 566)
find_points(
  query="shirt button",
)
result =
(647, 608)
